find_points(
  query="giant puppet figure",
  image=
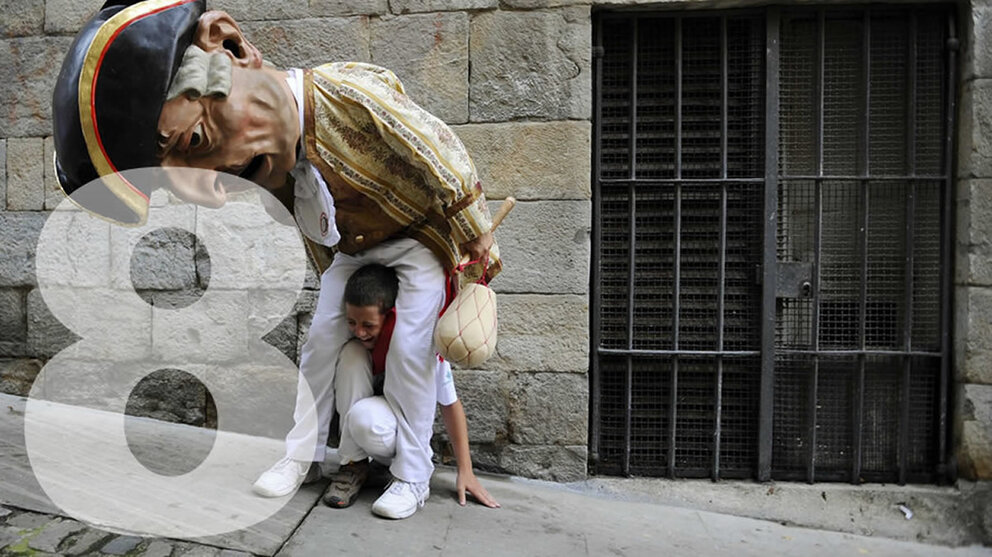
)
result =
(363, 168)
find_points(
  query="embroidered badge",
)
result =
(323, 223)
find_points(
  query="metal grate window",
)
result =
(770, 284)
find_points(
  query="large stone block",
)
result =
(17, 376)
(162, 260)
(542, 333)
(17, 250)
(973, 428)
(975, 130)
(414, 6)
(429, 53)
(531, 65)
(555, 462)
(13, 315)
(245, 10)
(46, 335)
(159, 256)
(974, 232)
(3, 173)
(25, 174)
(549, 408)
(483, 395)
(348, 7)
(977, 46)
(545, 248)
(557, 156)
(283, 337)
(973, 334)
(28, 68)
(170, 395)
(305, 43)
(21, 17)
(68, 16)
(218, 330)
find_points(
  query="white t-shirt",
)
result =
(446, 394)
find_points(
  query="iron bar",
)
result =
(632, 252)
(911, 88)
(873, 352)
(676, 271)
(722, 256)
(691, 353)
(595, 289)
(666, 182)
(864, 168)
(629, 382)
(632, 128)
(769, 264)
(947, 244)
(819, 86)
(874, 177)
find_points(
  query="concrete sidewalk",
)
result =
(535, 519)
(597, 517)
(538, 518)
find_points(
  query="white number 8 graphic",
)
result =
(74, 417)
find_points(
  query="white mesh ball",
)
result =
(466, 333)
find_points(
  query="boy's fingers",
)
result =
(483, 496)
(461, 496)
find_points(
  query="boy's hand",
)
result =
(466, 482)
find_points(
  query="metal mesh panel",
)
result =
(654, 278)
(676, 234)
(851, 397)
(614, 263)
(655, 98)
(929, 110)
(857, 343)
(612, 414)
(614, 101)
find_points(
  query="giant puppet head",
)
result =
(133, 93)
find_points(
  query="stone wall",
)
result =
(513, 78)
(972, 411)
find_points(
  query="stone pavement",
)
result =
(596, 517)
(536, 518)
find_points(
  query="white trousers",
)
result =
(410, 389)
(368, 425)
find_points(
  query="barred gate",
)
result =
(770, 284)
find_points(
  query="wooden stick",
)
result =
(503, 210)
(501, 213)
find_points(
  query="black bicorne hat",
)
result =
(109, 96)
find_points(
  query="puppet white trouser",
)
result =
(410, 388)
(368, 425)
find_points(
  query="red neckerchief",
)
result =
(382, 342)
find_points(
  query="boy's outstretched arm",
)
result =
(457, 426)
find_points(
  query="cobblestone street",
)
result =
(36, 534)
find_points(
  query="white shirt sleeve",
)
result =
(446, 395)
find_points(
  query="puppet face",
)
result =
(365, 323)
(252, 133)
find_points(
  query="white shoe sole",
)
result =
(266, 492)
(385, 513)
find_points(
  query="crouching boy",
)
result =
(368, 423)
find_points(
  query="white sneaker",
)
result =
(401, 499)
(285, 477)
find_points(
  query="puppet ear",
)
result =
(218, 31)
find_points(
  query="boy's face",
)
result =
(365, 323)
